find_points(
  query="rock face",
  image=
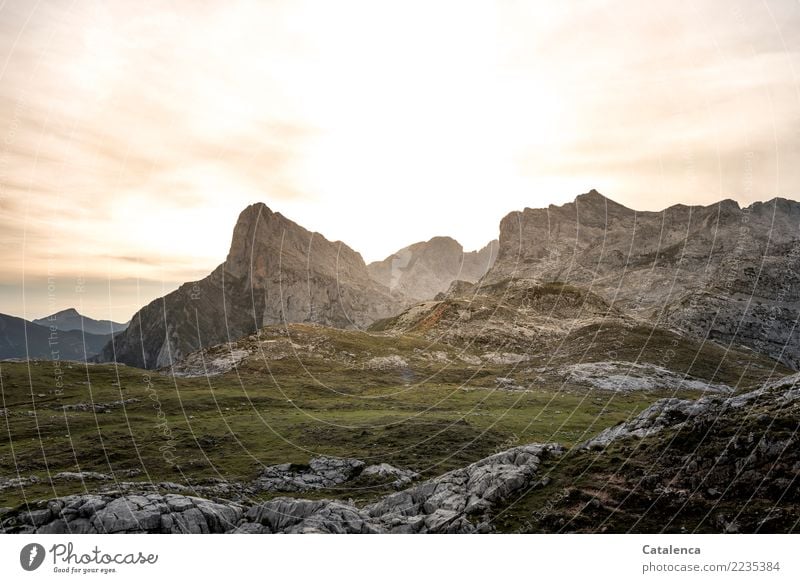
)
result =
(422, 270)
(450, 503)
(553, 332)
(72, 320)
(321, 472)
(719, 271)
(456, 502)
(137, 513)
(276, 272)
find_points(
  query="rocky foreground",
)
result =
(716, 464)
(457, 502)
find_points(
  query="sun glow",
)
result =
(131, 134)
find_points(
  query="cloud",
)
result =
(141, 132)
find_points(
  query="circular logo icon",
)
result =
(31, 556)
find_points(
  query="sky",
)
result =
(133, 133)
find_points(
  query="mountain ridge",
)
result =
(23, 339)
(716, 271)
(71, 319)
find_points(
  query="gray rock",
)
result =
(447, 504)
(81, 476)
(661, 414)
(385, 472)
(14, 483)
(321, 472)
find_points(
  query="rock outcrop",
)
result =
(457, 502)
(461, 500)
(633, 376)
(276, 272)
(424, 269)
(132, 513)
(325, 472)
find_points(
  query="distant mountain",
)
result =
(20, 338)
(720, 271)
(276, 272)
(422, 270)
(70, 319)
(717, 272)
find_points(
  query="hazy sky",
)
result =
(133, 133)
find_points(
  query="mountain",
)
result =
(70, 319)
(275, 272)
(422, 270)
(720, 271)
(556, 333)
(20, 338)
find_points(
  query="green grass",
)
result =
(431, 416)
(231, 426)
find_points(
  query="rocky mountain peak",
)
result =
(425, 269)
(276, 272)
(592, 195)
(69, 312)
(71, 319)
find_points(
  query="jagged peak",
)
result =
(729, 203)
(594, 199)
(490, 246)
(252, 212)
(776, 201)
(67, 312)
(442, 239)
(591, 195)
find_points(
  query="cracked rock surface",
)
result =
(456, 502)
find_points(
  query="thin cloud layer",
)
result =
(131, 135)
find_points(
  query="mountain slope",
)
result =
(717, 271)
(276, 272)
(20, 338)
(70, 319)
(424, 269)
(561, 333)
(717, 464)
